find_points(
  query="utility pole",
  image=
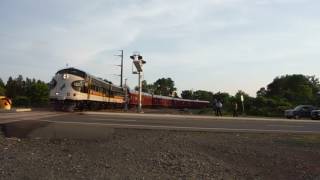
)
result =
(121, 80)
(126, 95)
(121, 66)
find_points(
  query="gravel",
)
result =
(160, 154)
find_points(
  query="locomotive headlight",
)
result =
(65, 76)
(57, 94)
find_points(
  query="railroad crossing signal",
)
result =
(138, 63)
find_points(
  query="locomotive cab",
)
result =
(67, 88)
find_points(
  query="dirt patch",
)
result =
(157, 154)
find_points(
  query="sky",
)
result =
(214, 45)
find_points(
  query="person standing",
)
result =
(235, 109)
(219, 107)
(214, 106)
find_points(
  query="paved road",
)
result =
(163, 121)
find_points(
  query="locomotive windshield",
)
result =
(52, 84)
(73, 71)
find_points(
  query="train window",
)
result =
(52, 84)
(117, 91)
(93, 87)
(78, 85)
(107, 92)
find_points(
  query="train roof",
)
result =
(191, 100)
(83, 74)
(167, 97)
(73, 71)
(137, 92)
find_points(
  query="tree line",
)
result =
(25, 92)
(282, 93)
(163, 87)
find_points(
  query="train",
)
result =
(73, 89)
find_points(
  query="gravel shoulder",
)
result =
(160, 154)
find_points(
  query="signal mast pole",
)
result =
(140, 93)
(139, 62)
(121, 80)
(126, 95)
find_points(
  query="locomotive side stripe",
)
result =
(106, 99)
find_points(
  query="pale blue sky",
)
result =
(215, 45)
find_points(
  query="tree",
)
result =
(148, 88)
(11, 91)
(241, 93)
(175, 95)
(15, 87)
(164, 86)
(20, 86)
(224, 97)
(187, 94)
(262, 92)
(27, 92)
(2, 91)
(39, 93)
(248, 101)
(2, 83)
(2, 88)
(296, 89)
(203, 95)
(285, 92)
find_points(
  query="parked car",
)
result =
(300, 111)
(315, 114)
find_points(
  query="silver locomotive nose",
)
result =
(59, 92)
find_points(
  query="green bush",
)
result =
(21, 101)
(2, 91)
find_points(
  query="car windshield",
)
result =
(298, 108)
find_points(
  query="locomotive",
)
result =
(72, 89)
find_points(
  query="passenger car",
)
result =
(299, 111)
(315, 114)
